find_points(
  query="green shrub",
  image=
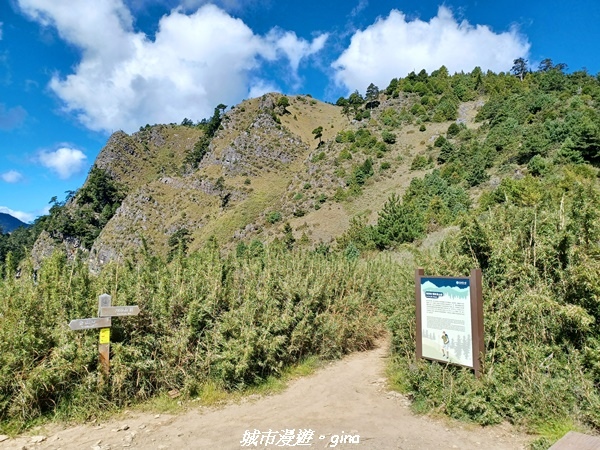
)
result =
(205, 318)
(273, 217)
(453, 130)
(537, 165)
(421, 162)
(388, 138)
(540, 312)
(318, 157)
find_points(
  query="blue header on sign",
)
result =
(447, 282)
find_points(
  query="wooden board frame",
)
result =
(476, 299)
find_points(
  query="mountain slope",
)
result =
(264, 162)
(9, 223)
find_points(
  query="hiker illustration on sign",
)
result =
(445, 345)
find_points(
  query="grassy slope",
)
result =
(155, 209)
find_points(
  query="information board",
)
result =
(450, 319)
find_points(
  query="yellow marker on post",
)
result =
(105, 336)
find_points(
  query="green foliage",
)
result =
(453, 130)
(519, 68)
(318, 157)
(206, 320)
(178, 243)
(538, 249)
(344, 155)
(318, 132)
(388, 138)
(345, 136)
(372, 96)
(421, 162)
(447, 151)
(397, 223)
(446, 109)
(537, 166)
(210, 127)
(390, 117)
(439, 141)
(283, 103)
(84, 214)
(273, 217)
(361, 173)
(288, 237)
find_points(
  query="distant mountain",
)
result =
(9, 223)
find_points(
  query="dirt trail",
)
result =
(345, 398)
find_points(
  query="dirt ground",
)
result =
(344, 405)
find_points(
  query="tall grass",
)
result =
(541, 266)
(205, 318)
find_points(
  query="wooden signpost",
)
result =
(104, 321)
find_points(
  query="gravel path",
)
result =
(345, 401)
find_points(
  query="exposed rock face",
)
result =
(259, 160)
(45, 245)
(262, 146)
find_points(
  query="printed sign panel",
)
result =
(446, 320)
(105, 336)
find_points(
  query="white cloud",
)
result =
(195, 61)
(293, 48)
(22, 216)
(362, 4)
(261, 87)
(1, 23)
(12, 176)
(394, 46)
(64, 161)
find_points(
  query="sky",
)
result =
(73, 72)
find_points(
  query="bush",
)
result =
(206, 318)
(540, 315)
(537, 166)
(318, 157)
(388, 138)
(345, 136)
(273, 217)
(453, 130)
(421, 162)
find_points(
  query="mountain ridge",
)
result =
(10, 223)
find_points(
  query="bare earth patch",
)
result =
(345, 398)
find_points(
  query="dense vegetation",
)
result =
(537, 242)
(521, 190)
(210, 128)
(230, 320)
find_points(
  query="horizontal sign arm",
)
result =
(88, 324)
(115, 311)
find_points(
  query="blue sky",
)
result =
(72, 72)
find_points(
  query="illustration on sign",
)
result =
(446, 320)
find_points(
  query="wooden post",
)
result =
(103, 321)
(419, 338)
(104, 346)
(477, 320)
